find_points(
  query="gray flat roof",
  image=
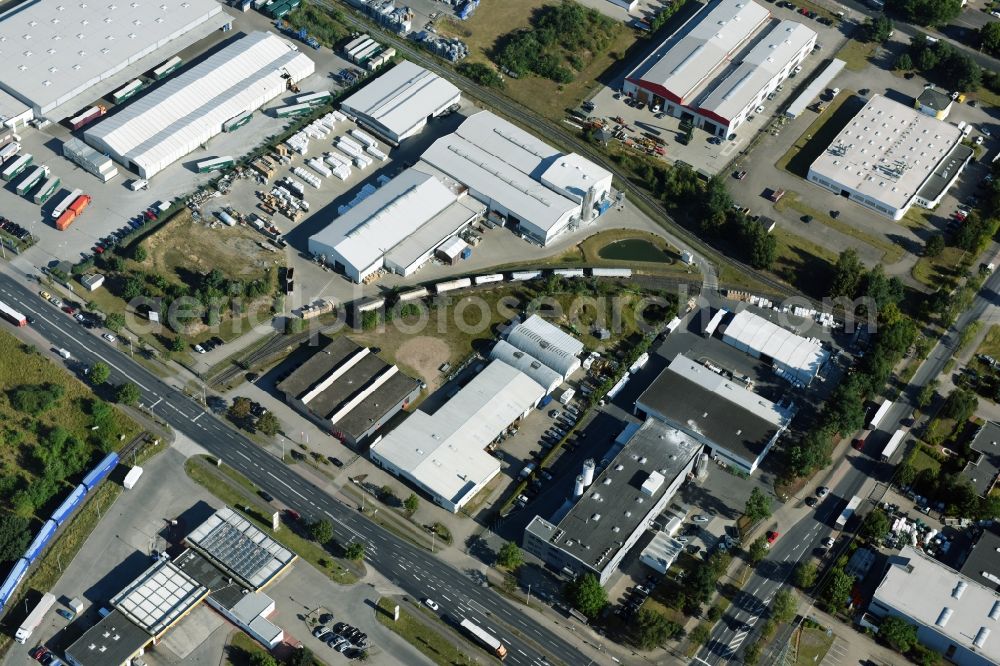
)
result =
(982, 472)
(983, 564)
(887, 151)
(614, 505)
(934, 98)
(705, 404)
(110, 642)
(54, 50)
(945, 172)
(347, 385)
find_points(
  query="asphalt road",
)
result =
(736, 628)
(417, 572)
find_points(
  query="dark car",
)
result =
(252, 377)
(811, 501)
(337, 462)
(267, 497)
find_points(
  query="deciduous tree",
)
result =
(510, 556)
(128, 394)
(586, 595)
(99, 373)
(758, 506)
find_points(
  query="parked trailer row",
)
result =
(292, 110)
(44, 537)
(167, 67)
(894, 442)
(313, 99)
(48, 188)
(215, 164)
(33, 178)
(126, 91)
(15, 168)
(64, 203)
(88, 116)
(72, 212)
(486, 279)
(451, 285)
(9, 151)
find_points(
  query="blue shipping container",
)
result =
(41, 541)
(466, 253)
(101, 472)
(67, 508)
(9, 586)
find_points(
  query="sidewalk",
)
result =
(851, 646)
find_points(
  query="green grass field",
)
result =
(22, 434)
(436, 646)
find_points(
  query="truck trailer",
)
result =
(35, 618)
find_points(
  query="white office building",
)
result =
(954, 615)
(444, 453)
(540, 191)
(890, 157)
(398, 103)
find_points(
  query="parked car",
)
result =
(266, 496)
(828, 542)
(822, 492)
(772, 536)
(430, 603)
(320, 632)
(701, 519)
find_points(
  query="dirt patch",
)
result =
(424, 355)
(187, 245)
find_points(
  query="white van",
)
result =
(65, 354)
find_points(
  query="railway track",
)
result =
(552, 130)
(277, 344)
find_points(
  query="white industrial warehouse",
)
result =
(182, 115)
(398, 103)
(547, 343)
(540, 191)
(528, 364)
(57, 50)
(891, 156)
(699, 76)
(444, 453)
(398, 227)
(793, 357)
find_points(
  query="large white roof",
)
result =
(400, 100)
(445, 451)
(760, 66)
(53, 50)
(528, 364)
(572, 175)
(803, 357)
(887, 151)
(944, 601)
(502, 162)
(178, 117)
(689, 62)
(159, 597)
(396, 211)
(548, 343)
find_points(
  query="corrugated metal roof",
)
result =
(528, 364)
(689, 62)
(177, 118)
(548, 343)
(401, 100)
(761, 65)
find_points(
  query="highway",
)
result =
(417, 572)
(855, 471)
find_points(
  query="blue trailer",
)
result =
(101, 472)
(543, 403)
(41, 540)
(70, 504)
(13, 579)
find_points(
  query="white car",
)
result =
(759, 110)
(430, 603)
(798, 68)
(109, 337)
(320, 632)
(979, 140)
(199, 349)
(822, 492)
(701, 519)
(828, 542)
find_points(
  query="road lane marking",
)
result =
(286, 485)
